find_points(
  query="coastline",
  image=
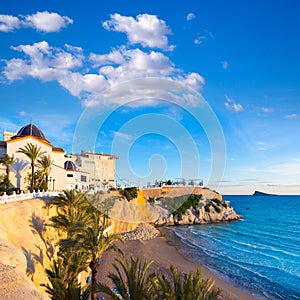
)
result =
(164, 250)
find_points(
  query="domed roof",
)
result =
(30, 130)
(70, 166)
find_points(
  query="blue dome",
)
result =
(30, 130)
(70, 166)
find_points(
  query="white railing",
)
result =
(25, 196)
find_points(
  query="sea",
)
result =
(259, 254)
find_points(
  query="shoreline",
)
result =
(165, 251)
(229, 291)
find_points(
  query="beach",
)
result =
(163, 251)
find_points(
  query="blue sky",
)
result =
(197, 89)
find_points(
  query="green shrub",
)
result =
(192, 201)
(129, 193)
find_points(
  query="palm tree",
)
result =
(33, 152)
(84, 230)
(7, 161)
(130, 280)
(44, 164)
(59, 286)
(189, 287)
(93, 242)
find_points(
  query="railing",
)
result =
(25, 196)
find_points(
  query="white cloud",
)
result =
(41, 21)
(99, 77)
(42, 62)
(231, 105)
(225, 64)
(145, 29)
(190, 16)
(9, 23)
(199, 40)
(47, 22)
(291, 116)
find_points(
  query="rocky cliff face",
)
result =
(205, 211)
(26, 248)
(14, 284)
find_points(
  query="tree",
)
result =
(191, 286)
(7, 161)
(59, 286)
(133, 283)
(130, 280)
(91, 241)
(85, 236)
(44, 164)
(33, 152)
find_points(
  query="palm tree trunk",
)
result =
(32, 178)
(94, 266)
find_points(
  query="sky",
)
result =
(192, 89)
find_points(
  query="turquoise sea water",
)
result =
(259, 254)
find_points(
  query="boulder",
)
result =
(15, 285)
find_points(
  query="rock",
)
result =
(143, 232)
(12, 256)
(15, 285)
(207, 211)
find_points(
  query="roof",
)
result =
(69, 166)
(58, 149)
(98, 154)
(30, 130)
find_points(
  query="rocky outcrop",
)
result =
(26, 245)
(205, 211)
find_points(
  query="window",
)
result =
(83, 178)
(69, 175)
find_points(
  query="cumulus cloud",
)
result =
(190, 16)
(89, 77)
(111, 77)
(41, 21)
(9, 23)
(231, 105)
(147, 30)
(41, 62)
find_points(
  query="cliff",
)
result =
(26, 248)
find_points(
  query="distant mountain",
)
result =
(258, 193)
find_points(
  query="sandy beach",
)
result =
(163, 251)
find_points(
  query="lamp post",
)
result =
(50, 179)
(53, 183)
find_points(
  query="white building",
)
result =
(100, 167)
(83, 171)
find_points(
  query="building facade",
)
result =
(85, 171)
(100, 167)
